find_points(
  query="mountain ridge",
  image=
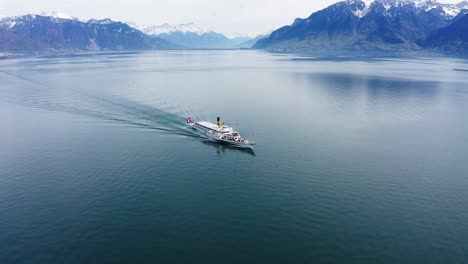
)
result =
(452, 39)
(191, 36)
(30, 33)
(364, 25)
(386, 25)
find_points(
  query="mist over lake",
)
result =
(358, 159)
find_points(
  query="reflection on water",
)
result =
(347, 86)
(224, 148)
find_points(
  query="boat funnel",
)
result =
(219, 122)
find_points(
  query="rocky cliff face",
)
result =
(453, 38)
(38, 33)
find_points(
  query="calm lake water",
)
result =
(358, 160)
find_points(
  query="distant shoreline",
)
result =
(80, 52)
(331, 53)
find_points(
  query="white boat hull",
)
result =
(218, 137)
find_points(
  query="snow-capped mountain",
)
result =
(192, 36)
(39, 33)
(369, 24)
(56, 17)
(168, 29)
(449, 10)
(57, 14)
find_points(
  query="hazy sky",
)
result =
(235, 17)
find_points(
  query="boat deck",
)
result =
(214, 127)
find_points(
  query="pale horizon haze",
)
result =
(233, 18)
